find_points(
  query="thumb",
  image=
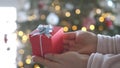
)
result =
(54, 57)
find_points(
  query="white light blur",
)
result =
(8, 16)
(110, 3)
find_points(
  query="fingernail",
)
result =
(33, 59)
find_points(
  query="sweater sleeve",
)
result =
(98, 60)
(108, 44)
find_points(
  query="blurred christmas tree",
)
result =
(87, 15)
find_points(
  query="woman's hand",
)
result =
(65, 60)
(81, 41)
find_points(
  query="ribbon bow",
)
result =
(44, 29)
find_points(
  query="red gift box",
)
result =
(41, 44)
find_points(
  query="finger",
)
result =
(54, 57)
(43, 61)
(68, 42)
(66, 46)
(69, 35)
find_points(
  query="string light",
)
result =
(101, 28)
(42, 17)
(84, 29)
(67, 14)
(74, 27)
(101, 19)
(92, 27)
(29, 56)
(65, 29)
(36, 66)
(20, 64)
(21, 51)
(57, 7)
(28, 61)
(24, 38)
(30, 18)
(98, 11)
(77, 11)
(20, 33)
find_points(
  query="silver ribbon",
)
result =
(43, 29)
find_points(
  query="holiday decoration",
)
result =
(52, 19)
(46, 39)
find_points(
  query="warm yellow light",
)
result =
(36, 66)
(92, 27)
(74, 27)
(84, 29)
(67, 14)
(30, 18)
(98, 11)
(57, 8)
(112, 18)
(65, 28)
(21, 51)
(28, 61)
(101, 19)
(24, 38)
(77, 11)
(21, 67)
(29, 56)
(100, 28)
(42, 17)
(20, 63)
(20, 33)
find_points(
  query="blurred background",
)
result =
(20, 17)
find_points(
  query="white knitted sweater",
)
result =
(108, 53)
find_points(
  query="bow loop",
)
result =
(44, 29)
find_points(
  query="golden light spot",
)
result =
(29, 56)
(32, 17)
(36, 66)
(101, 19)
(67, 14)
(57, 7)
(74, 27)
(98, 11)
(92, 27)
(20, 33)
(20, 63)
(24, 38)
(77, 11)
(65, 29)
(84, 29)
(42, 17)
(28, 61)
(21, 51)
(100, 28)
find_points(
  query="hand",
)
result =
(81, 41)
(65, 60)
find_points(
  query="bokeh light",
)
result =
(101, 28)
(84, 29)
(101, 19)
(57, 7)
(20, 33)
(67, 14)
(36, 66)
(77, 11)
(98, 11)
(20, 64)
(42, 17)
(65, 29)
(21, 51)
(28, 61)
(74, 27)
(92, 27)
